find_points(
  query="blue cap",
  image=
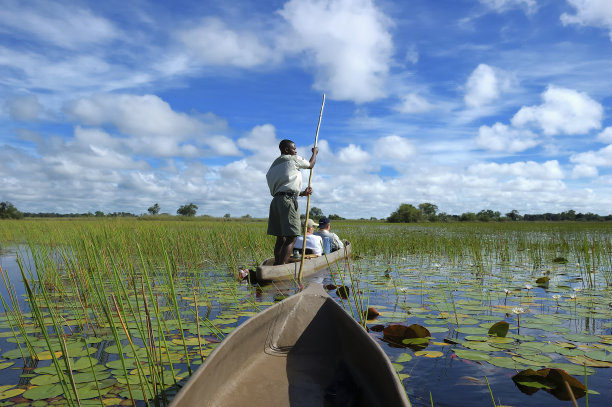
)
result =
(324, 221)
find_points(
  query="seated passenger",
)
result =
(314, 243)
(324, 226)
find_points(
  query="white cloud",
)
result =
(63, 25)
(152, 126)
(599, 158)
(606, 135)
(26, 107)
(486, 84)
(501, 137)
(216, 44)
(503, 5)
(146, 116)
(413, 103)
(393, 148)
(549, 170)
(584, 171)
(597, 13)
(353, 154)
(564, 111)
(349, 43)
(261, 137)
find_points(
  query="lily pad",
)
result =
(471, 355)
(499, 329)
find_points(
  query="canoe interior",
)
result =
(304, 351)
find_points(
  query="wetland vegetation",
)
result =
(122, 311)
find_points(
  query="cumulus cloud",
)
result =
(597, 13)
(152, 125)
(214, 43)
(548, 170)
(530, 6)
(564, 111)
(63, 25)
(348, 42)
(353, 154)
(393, 148)
(501, 137)
(606, 135)
(413, 103)
(584, 171)
(486, 84)
(599, 158)
(261, 137)
(25, 108)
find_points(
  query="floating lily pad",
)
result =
(471, 355)
(429, 353)
(499, 329)
(582, 338)
(7, 392)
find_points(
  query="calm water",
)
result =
(455, 300)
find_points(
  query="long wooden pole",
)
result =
(308, 198)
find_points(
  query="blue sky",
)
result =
(467, 104)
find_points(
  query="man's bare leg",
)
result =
(283, 249)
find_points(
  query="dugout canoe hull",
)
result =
(304, 351)
(267, 272)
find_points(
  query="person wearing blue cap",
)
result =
(324, 226)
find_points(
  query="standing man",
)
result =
(285, 183)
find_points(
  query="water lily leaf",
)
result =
(552, 380)
(45, 379)
(582, 338)
(572, 368)
(4, 365)
(499, 329)
(8, 391)
(506, 362)
(472, 330)
(43, 392)
(84, 363)
(436, 329)
(583, 360)
(537, 359)
(497, 340)
(403, 358)
(471, 354)
(416, 341)
(429, 353)
(600, 355)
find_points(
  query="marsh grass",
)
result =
(148, 287)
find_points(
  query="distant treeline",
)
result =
(428, 212)
(406, 213)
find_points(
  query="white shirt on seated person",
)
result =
(313, 242)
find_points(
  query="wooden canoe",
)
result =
(304, 351)
(266, 271)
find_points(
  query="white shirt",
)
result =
(313, 242)
(284, 174)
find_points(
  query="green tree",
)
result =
(513, 215)
(99, 214)
(429, 210)
(154, 210)
(468, 217)
(187, 210)
(8, 211)
(406, 213)
(316, 213)
(227, 216)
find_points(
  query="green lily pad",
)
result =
(582, 338)
(499, 329)
(471, 355)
